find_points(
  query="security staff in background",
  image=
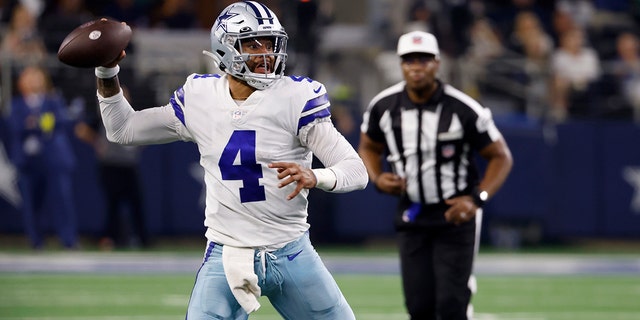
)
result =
(40, 129)
(430, 133)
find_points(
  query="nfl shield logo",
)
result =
(448, 150)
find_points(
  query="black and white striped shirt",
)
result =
(437, 163)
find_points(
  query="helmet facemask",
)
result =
(246, 63)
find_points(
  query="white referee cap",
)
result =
(418, 41)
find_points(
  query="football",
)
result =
(94, 43)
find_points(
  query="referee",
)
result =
(430, 132)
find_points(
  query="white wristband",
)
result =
(326, 179)
(107, 73)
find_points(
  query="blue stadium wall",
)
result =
(574, 180)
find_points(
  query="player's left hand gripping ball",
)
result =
(94, 43)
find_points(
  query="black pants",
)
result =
(436, 264)
(122, 188)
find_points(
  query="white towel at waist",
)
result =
(242, 279)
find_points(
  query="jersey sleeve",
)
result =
(371, 121)
(177, 104)
(315, 107)
(317, 132)
(484, 129)
(338, 156)
(378, 109)
(124, 125)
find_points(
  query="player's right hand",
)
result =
(115, 62)
(290, 172)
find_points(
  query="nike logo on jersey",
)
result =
(317, 90)
(293, 256)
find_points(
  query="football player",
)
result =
(256, 131)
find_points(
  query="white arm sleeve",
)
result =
(126, 126)
(338, 156)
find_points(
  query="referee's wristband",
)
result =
(107, 73)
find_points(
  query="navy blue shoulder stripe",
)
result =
(316, 108)
(206, 75)
(178, 104)
(261, 19)
(315, 102)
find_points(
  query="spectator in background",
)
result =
(6, 8)
(485, 45)
(562, 22)
(310, 19)
(173, 14)
(341, 93)
(59, 19)
(421, 18)
(531, 46)
(625, 70)
(119, 176)
(23, 42)
(504, 13)
(535, 75)
(42, 152)
(448, 20)
(575, 69)
(130, 11)
(527, 25)
(580, 12)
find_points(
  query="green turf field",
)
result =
(43, 296)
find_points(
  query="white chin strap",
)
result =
(258, 84)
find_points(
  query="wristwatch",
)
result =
(480, 198)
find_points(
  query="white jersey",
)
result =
(285, 122)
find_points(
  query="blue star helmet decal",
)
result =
(222, 19)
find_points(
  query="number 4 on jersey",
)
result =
(243, 143)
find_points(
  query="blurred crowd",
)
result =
(539, 59)
(551, 60)
(33, 28)
(543, 58)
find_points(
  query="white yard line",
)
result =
(486, 264)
